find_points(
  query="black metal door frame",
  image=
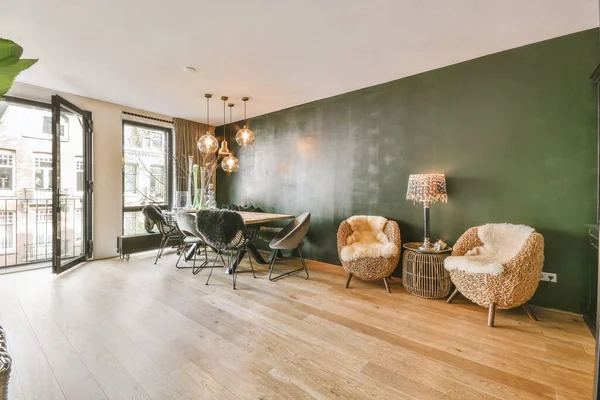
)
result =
(57, 265)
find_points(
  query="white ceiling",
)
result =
(279, 52)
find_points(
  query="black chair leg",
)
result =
(213, 266)
(235, 272)
(182, 253)
(163, 243)
(195, 270)
(272, 267)
(251, 266)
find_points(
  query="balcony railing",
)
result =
(26, 229)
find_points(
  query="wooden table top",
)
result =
(253, 218)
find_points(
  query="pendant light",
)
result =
(230, 163)
(224, 150)
(245, 137)
(207, 142)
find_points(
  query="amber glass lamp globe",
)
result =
(208, 143)
(230, 164)
(244, 137)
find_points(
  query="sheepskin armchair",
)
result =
(512, 287)
(362, 265)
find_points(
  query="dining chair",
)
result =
(290, 238)
(169, 231)
(225, 232)
(186, 223)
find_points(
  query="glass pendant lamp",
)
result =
(207, 143)
(224, 150)
(245, 137)
(230, 163)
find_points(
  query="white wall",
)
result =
(106, 160)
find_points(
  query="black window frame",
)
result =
(169, 168)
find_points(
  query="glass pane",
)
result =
(133, 223)
(25, 146)
(145, 162)
(6, 181)
(71, 184)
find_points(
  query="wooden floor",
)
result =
(131, 330)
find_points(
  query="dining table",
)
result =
(253, 220)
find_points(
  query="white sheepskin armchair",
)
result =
(497, 266)
(369, 247)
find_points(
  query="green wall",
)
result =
(515, 133)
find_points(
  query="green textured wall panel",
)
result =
(514, 132)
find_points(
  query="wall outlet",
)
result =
(549, 277)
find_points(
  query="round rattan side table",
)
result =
(423, 272)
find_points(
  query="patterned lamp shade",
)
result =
(427, 188)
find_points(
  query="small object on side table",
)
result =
(440, 245)
(423, 272)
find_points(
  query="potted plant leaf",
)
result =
(11, 64)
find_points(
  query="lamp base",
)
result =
(426, 244)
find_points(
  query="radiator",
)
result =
(130, 244)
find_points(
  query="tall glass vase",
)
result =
(188, 202)
(203, 179)
(196, 190)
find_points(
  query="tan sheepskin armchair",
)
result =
(511, 285)
(369, 248)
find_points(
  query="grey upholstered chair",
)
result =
(154, 216)
(290, 238)
(186, 223)
(225, 232)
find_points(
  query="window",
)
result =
(47, 127)
(78, 224)
(79, 175)
(147, 177)
(157, 181)
(43, 172)
(7, 232)
(41, 247)
(131, 177)
(7, 170)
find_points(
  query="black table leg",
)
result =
(255, 254)
(190, 253)
(240, 256)
(235, 262)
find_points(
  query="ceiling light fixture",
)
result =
(230, 163)
(245, 137)
(207, 142)
(224, 150)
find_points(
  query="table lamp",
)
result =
(427, 189)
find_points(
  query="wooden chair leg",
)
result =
(529, 312)
(386, 285)
(348, 280)
(452, 296)
(492, 314)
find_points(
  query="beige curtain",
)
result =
(186, 137)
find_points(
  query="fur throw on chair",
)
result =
(501, 243)
(152, 215)
(219, 227)
(368, 239)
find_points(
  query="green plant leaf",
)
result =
(10, 52)
(8, 73)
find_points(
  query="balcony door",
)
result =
(72, 185)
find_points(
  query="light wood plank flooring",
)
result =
(117, 329)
